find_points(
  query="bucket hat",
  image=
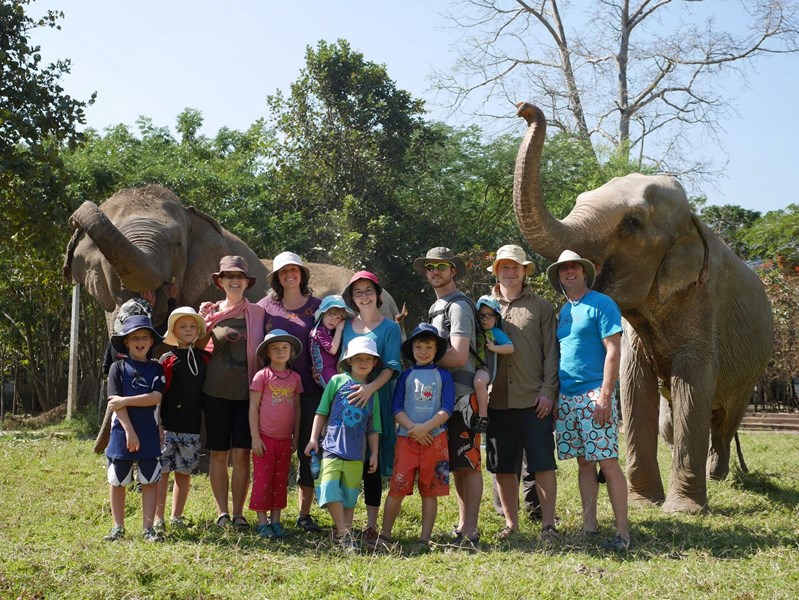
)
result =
(440, 254)
(228, 264)
(134, 306)
(570, 256)
(183, 311)
(347, 293)
(491, 303)
(514, 253)
(425, 329)
(332, 301)
(359, 345)
(284, 259)
(131, 324)
(278, 335)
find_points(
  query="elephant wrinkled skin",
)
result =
(698, 325)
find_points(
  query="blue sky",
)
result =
(157, 57)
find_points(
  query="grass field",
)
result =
(54, 511)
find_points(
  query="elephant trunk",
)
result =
(136, 269)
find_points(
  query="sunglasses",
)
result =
(487, 316)
(442, 266)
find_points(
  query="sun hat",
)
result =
(359, 345)
(278, 335)
(284, 259)
(131, 324)
(440, 254)
(183, 311)
(347, 293)
(570, 256)
(514, 253)
(134, 306)
(332, 301)
(425, 329)
(228, 264)
(491, 303)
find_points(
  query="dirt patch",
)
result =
(55, 415)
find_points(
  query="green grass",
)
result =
(54, 511)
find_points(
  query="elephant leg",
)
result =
(692, 390)
(666, 422)
(723, 425)
(639, 405)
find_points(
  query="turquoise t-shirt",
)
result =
(581, 328)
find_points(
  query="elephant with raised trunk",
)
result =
(699, 325)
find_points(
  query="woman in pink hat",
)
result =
(290, 306)
(363, 296)
(235, 327)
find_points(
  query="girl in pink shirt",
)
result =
(274, 427)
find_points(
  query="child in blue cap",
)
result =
(491, 340)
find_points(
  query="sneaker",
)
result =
(223, 521)
(178, 523)
(307, 524)
(159, 526)
(370, 535)
(480, 425)
(116, 534)
(151, 535)
(277, 530)
(346, 542)
(265, 531)
(549, 534)
(617, 544)
(382, 543)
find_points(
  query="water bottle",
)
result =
(316, 464)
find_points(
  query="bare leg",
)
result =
(391, 510)
(218, 476)
(429, 511)
(275, 516)
(336, 510)
(240, 479)
(481, 381)
(118, 505)
(372, 513)
(508, 488)
(304, 499)
(163, 487)
(617, 491)
(149, 497)
(589, 490)
(262, 517)
(547, 485)
(470, 493)
(349, 514)
(180, 493)
(457, 477)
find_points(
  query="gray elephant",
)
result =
(699, 322)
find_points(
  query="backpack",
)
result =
(432, 314)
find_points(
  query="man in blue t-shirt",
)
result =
(586, 425)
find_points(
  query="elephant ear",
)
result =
(206, 247)
(685, 263)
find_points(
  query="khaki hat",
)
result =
(228, 264)
(183, 311)
(278, 335)
(284, 259)
(570, 256)
(514, 253)
(440, 254)
(360, 345)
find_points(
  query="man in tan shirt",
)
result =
(522, 396)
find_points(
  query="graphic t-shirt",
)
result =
(277, 411)
(347, 425)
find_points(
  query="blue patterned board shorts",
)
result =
(577, 433)
(180, 453)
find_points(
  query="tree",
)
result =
(638, 75)
(775, 236)
(730, 223)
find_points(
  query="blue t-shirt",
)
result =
(347, 425)
(421, 392)
(130, 377)
(581, 328)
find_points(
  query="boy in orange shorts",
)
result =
(424, 398)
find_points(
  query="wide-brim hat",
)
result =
(228, 264)
(180, 312)
(359, 345)
(570, 256)
(284, 259)
(440, 254)
(347, 293)
(514, 253)
(134, 306)
(332, 301)
(425, 329)
(278, 335)
(131, 324)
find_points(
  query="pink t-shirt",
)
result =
(276, 413)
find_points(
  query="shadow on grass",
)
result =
(768, 485)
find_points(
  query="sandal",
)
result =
(618, 544)
(240, 523)
(223, 520)
(507, 533)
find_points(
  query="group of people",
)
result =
(324, 378)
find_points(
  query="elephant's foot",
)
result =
(683, 504)
(718, 465)
(639, 499)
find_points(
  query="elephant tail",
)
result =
(740, 454)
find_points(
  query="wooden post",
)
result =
(72, 391)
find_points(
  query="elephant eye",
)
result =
(632, 224)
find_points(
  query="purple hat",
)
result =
(228, 264)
